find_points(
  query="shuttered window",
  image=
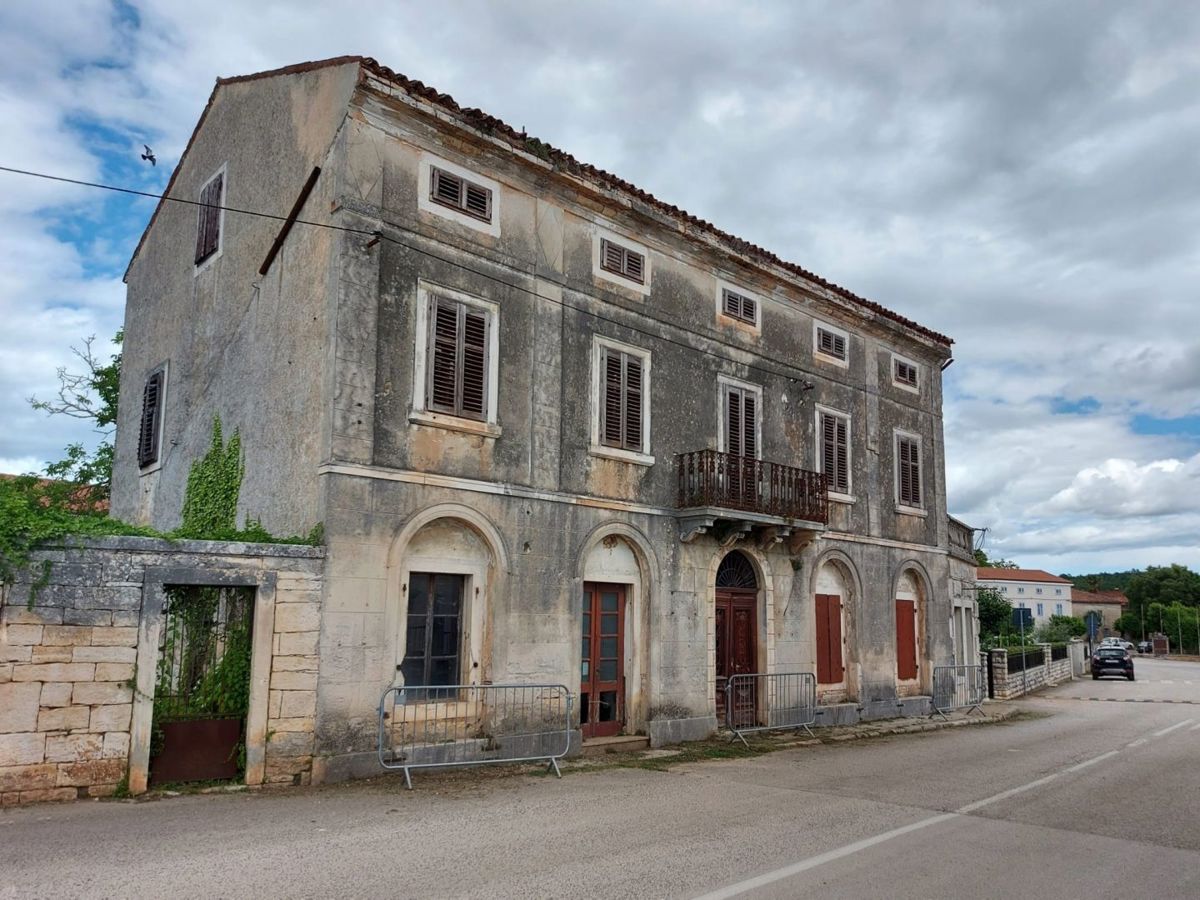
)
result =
(739, 306)
(457, 369)
(904, 373)
(148, 430)
(460, 194)
(835, 452)
(908, 472)
(208, 229)
(623, 385)
(831, 344)
(622, 261)
(741, 421)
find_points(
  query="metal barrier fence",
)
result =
(959, 687)
(426, 726)
(755, 702)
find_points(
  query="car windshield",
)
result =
(1111, 651)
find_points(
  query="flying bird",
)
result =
(149, 154)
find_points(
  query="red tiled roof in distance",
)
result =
(1039, 575)
(495, 128)
(1102, 597)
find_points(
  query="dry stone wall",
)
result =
(68, 660)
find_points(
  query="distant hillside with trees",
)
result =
(1102, 581)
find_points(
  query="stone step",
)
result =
(620, 743)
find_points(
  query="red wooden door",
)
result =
(906, 640)
(602, 682)
(829, 639)
(736, 643)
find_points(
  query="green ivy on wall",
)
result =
(213, 487)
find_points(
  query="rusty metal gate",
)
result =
(202, 684)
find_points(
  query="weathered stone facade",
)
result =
(524, 503)
(77, 665)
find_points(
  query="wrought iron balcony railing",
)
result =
(708, 478)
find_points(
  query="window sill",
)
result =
(913, 511)
(832, 360)
(629, 456)
(455, 423)
(906, 387)
(752, 329)
(836, 497)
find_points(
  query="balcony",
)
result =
(732, 496)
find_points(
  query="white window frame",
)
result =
(223, 174)
(1058, 609)
(603, 234)
(420, 413)
(904, 508)
(425, 203)
(165, 368)
(838, 496)
(818, 327)
(754, 327)
(912, 389)
(724, 381)
(1041, 610)
(596, 446)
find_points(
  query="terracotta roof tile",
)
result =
(478, 119)
(1039, 575)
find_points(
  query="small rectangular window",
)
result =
(835, 451)
(739, 306)
(904, 373)
(432, 650)
(622, 261)
(908, 471)
(460, 194)
(1058, 609)
(457, 368)
(148, 431)
(1039, 590)
(623, 378)
(831, 344)
(1039, 610)
(208, 228)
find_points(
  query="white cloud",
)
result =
(1119, 488)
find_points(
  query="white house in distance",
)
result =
(1045, 594)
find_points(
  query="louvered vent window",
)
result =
(741, 421)
(905, 373)
(908, 471)
(831, 344)
(460, 194)
(739, 306)
(152, 396)
(621, 412)
(458, 359)
(208, 229)
(835, 452)
(622, 261)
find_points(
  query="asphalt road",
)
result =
(1091, 799)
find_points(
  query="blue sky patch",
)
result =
(1062, 406)
(1184, 426)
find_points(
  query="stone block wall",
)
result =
(1009, 686)
(70, 688)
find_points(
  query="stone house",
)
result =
(518, 385)
(1099, 609)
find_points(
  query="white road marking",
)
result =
(812, 862)
(1093, 760)
(1173, 727)
(750, 884)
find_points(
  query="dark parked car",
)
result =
(1145, 647)
(1112, 660)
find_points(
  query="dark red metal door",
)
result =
(829, 639)
(906, 640)
(602, 674)
(736, 644)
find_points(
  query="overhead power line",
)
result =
(782, 370)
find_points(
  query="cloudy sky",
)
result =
(1020, 176)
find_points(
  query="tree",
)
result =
(982, 560)
(90, 395)
(995, 613)
(1128, 624)
(1059, 629)
(1163, 585)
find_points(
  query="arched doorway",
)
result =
(736, 624)
(909, 619)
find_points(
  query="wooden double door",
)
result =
(602, 667)
(736, 646)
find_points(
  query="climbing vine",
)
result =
(213, 487)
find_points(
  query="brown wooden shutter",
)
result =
(633, 403)
(841, 474)
(906, 640)
(443, 366)
(611, 256)
(151, 412)
(478, 201)
(829, 449)
(732, 304)
(611, 411)
(910, 472)
(446, 188)
(474, 363)
(208, 229)
(634, 265)
(828, 628)
(749, 425)
(733, 421)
